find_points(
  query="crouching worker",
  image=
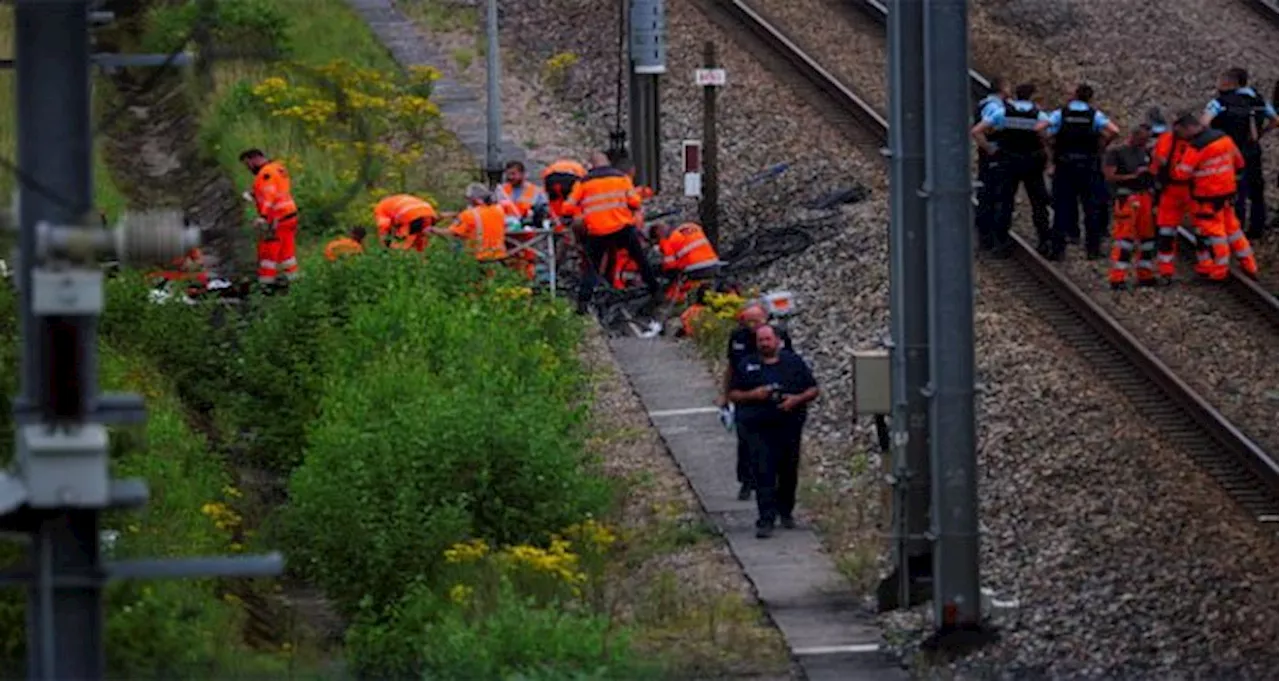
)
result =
(689, 256)
(403, 220)
(771, 391)
(482, 226)
(1128, 171)
(351, 243)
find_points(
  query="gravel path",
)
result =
(1073, 516)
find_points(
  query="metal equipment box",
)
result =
(872, 389)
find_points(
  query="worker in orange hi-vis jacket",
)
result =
(351, 243)
(1211, 164)
(482, 225)
(277, 217)
(403, 221)
(1173, 205)
(1127, 168)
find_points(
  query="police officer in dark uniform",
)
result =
(1021, 155)
(1079, 134)
(1240, 112)
(990, 175)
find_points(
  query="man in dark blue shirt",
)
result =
(771, 390)
(742, 344)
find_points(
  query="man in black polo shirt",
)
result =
(772, 390)
(742, 344)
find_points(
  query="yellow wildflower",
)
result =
(460, 593)
(467, 552)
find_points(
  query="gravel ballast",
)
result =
(1120, 550)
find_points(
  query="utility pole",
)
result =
(60, 485)
(909, 310)
(493, 107)
(957, 607)
(709, 205)
(648, 51)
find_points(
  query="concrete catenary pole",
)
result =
(648, 50)
(55, 147)
(951, 352)
(493, 107)
(909, 293)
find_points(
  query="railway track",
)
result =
(1185, 418)
(1241, 287)
(1267, 8)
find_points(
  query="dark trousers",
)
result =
(991, 176)
(1078, 183)
(1251, 197)
(599, 248)
(746, 467)
(775, 453)
(1026, 170)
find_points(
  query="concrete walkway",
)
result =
(463, 110)
(828, 632)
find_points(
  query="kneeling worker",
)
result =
(482, 226)
(688, 253)
(351, 243)
(1128, 171)
(403, 221)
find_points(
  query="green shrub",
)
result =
(448, 411)
(162, 629)
(254, 29)
(427, 636)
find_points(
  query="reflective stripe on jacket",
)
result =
(687, 247)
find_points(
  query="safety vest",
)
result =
(1076, 137)
(1167, 153)
(1211, 165)
(394, 214)
(1243, 114)
(343, 245)
(606, 199)
(273, 195)
(687, 248)
(523, 197)
(1019, 135)
(485, 230)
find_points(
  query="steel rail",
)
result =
(1247, 472)
(1267, 8)
(1239, 285)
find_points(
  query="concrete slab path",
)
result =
(463, 109)
(833, 638)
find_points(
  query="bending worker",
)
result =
(403, 221)
(1128, 170)
(603, 205)
(351, 243)
(277, 218)
(482, 225)
(1080, 133)
(1173, 200)
(1211, 164)
(688, 254)
(1012, 139)
(1246, 118)
(558, 181)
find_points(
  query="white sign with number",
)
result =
(710, 77)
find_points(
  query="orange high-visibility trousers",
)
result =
(1132, 225)
(1174, 207)
(278, 253)
(1212, 256)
